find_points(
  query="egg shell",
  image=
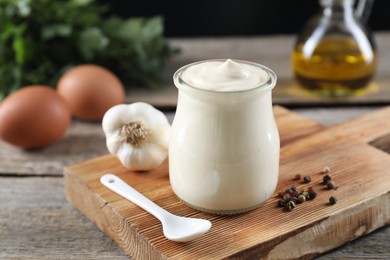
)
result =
(33, 117)
(90, 90)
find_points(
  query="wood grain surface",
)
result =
(359, 169)
(37, 222)
(82, 141)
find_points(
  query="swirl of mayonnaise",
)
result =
(224, 76)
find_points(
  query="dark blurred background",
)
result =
(229, 18)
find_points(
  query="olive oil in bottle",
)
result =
(335, 56)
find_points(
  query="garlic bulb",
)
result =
(138, 134)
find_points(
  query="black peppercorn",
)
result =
(312, 194)
(326, 179)
(295, 194)
(332, 200)
(289, 191)
(281, 203)
(295, 200)
(306, 179)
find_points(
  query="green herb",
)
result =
(40, 39)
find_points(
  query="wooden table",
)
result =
(37, 222)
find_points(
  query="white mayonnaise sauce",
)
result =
(224, 143)
(224, 76)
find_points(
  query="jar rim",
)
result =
(330, 2)
(268, 85)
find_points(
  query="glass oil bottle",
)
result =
(335, 55)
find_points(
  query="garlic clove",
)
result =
(161, 137)
(144, 159)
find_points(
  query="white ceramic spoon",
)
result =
(175, 228)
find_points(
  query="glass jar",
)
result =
(335, 54)
(224, 146)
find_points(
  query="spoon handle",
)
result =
(117, 185)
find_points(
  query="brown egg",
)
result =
(33, 117)
(90, 90)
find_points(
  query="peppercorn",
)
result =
(306, 179)
(286, 196)
(306, 194)
(326, 169)
(326, 179)
(280, 194)
(312, 194)
(331, 185)
(295, 194)
(281, 203)
(332, 200)
(297, 177)
(310, 189)
(289, 191)
(301, 198)
(293, 188)
(295, 200)
(290, 205)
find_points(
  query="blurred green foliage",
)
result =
(40, 39)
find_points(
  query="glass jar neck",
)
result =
(337, 2)
(337, 6)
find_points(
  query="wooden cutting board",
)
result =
(360, 166)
